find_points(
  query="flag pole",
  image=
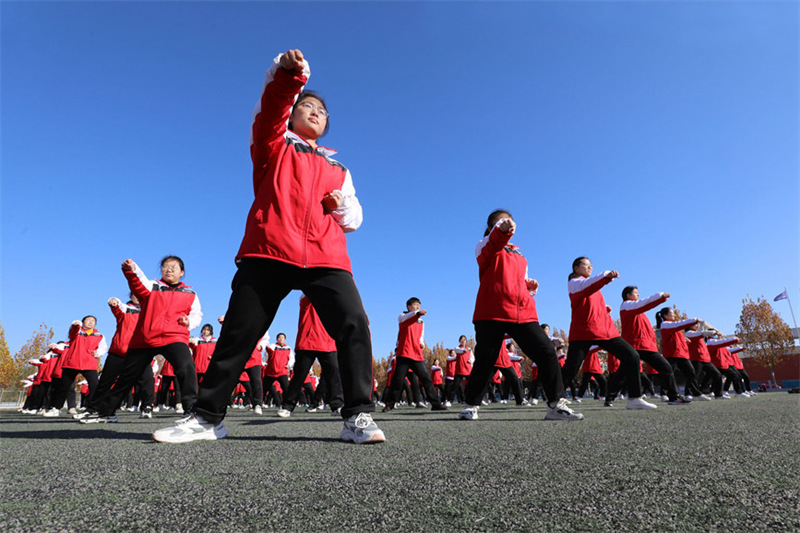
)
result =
(790, 307)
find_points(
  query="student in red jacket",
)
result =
(701, 360)
(676, 349)
(294, 239)
(202, 350)
(721, 358)
(256, 373)
(591, 324)
(592, 369)
(461, 369)
(739, 366)
(169, 310)
(126, 316)
(505, 306)
(86, 347)
(313, 343)
(639, 333)
(409, 356)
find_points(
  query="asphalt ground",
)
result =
(709, 466)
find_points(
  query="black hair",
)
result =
(313, 94)
(545, 325)
(493, 217)
(575, 263)
(209, 326)
(89, 316)
(173, 258)
(627, 290)
(464, 337)
(413, 300)
(279, 334)
(660, 316)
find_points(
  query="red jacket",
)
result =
(311, 334)
(464, 361)
(503, 293)
(590, 318)
(673, 341)
(612, 363)
(410, 336)
(287, 221)
(636, 327)
(202, 351)
(698, 351)
(718, 350)
(82, 345)
(737, 362)
(278, 360)
(127, 316)
(162, 306)
(436, 375)
(591, 363)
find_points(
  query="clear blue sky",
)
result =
(658, 138)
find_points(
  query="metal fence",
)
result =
(11, 398)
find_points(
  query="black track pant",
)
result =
(628, 359)
(258, 288)
(403, 365)
(489, 335)
(330, 380)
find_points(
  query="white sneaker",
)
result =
(189, 429)
(52, 412)
(534, 401)
(703, 398)
(470, 413)
(638, 403)
(284, 413)
(257, 410)
(664, 398)
(741, 395)
(95, 418)
(561, 411)
(361, 429)
(73, 411)
(689, 397)
(179, 408)
(448, 404)
(146, 413)
(578, 400)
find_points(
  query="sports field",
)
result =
(711, 466)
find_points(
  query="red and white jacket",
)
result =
(718, 350)
(311, 334)
(737, 362)
(464, 360)
(503, 271)
(279, 359)
(590, 318)
(673, 341)
(698, 351)
(450, 370)
(410, 338)
(202, 351)
(436, 374)
(591, 363)
(127, 316)
(516, 363)
(257, 357)
(287, 221)
(86, 347)
(636, 327)
(162, 306)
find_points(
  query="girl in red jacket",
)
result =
(294, 239)
(313, 342)
(591, 324)
(639, 333)
(86, 347)
(505, 305)
(169, 310)
(676, 349)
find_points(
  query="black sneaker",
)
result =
(439, 407)
(95, 418)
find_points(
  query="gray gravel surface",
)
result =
(710, 466)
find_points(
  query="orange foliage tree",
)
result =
(14, 368)
(764, 333)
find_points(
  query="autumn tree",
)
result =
(14, 369)
(764, 333)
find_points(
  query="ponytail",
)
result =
(660, 316)
(576, 263)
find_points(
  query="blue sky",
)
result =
(658, 138)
